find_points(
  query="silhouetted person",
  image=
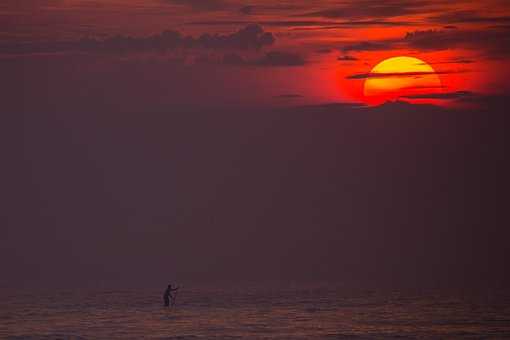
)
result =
(168, 294)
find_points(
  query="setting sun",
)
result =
(255, 169)
(400, 76)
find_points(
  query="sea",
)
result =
(255, 312)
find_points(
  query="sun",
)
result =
(400, 77)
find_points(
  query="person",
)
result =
(168, 294)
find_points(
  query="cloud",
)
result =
(334, 107)
(455, 61)
(445, 95)
(399, 74)
(496, 101)
(494, 41)
(201, 5)
(347, 58)
(250, 37)
(371, 9)
(467, 17)
(309, 24)
(435, 39)
(280, 58)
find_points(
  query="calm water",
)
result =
(260, 313)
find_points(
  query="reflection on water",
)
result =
(253, 313)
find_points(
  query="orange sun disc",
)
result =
(398, 77)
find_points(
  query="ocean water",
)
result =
(257, 312)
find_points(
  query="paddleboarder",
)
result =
(168, 294)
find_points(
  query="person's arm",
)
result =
(176, 289)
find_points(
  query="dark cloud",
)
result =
(305, 23)
(493, 41)
(250, 37)
(201, 5)
(456, 61)
(493, 102)
(445, 95)
(467, 17)
(400, 74)
(426, 87)
(371, 9)
(363, 23)
(347, 58)
(336, 107)
(324, 51)
(265, 23)
(496, 102)
(436, 39)
(280, 58)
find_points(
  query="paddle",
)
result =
(174, 297)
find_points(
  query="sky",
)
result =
(210, 140)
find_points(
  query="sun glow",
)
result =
(398, 77)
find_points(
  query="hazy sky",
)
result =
(196, 141)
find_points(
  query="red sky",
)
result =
(466, 42)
